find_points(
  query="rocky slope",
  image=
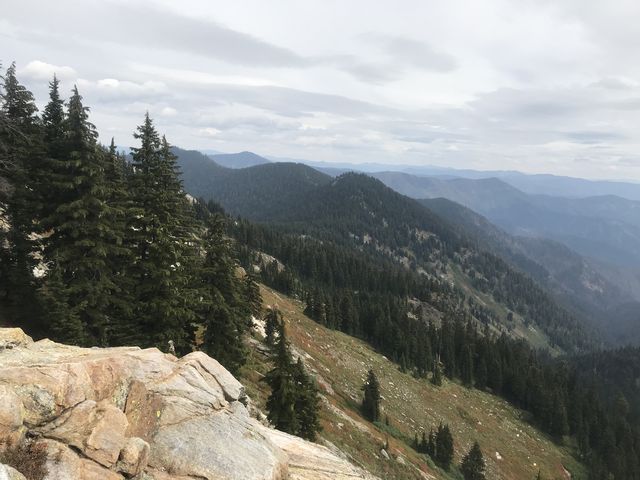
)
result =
(115, 413)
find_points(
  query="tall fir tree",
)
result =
(371, 397)
(165, 246)
(307, 402)
(473, 464)
(21, 152)
(226, 311)
(85, 236)
(281, 404)
(272, 321)
(444, 447)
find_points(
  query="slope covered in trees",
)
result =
(410, 406)
(574, 280)
(359, 213)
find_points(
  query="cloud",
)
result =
(409, 52)
(38, 70)
(390, 58)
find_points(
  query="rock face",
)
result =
(116, 413)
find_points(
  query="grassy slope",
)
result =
(340, 363)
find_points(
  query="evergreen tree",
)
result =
(307, 403)
(444, 447)
(281, 404)
(371, 398)
(225, 312)
(473, 464)
(166, 246)
(21, 153)
(252, 293)
(272, 322)
(84, 238)
(436, 378)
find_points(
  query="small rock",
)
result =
(13, 337)
(133, 457)
(8, 473)
(384, 453)
(11, 416)
(97, 429)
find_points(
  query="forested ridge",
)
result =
(348, 290)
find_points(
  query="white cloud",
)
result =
(38, 70)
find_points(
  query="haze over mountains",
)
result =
(584, 251)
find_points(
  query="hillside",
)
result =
(256, 192)
(359, 213)
(605, 227)
(575, 280)
(238, 160)
(513, 449)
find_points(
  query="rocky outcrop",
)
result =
(119, 413)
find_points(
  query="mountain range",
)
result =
(582, 251)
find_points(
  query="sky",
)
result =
(540, 86)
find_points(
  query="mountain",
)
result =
(535, 184)
(579, 283)
(238, 160)
(605, 228)
(257, 192)
(358, 213)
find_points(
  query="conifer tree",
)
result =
(281, 404)
(473, 464)
(436, 377)
(444, 447)
(272, 322)
(371, 398)
(307, 403)
(226, 313)
(165, 246)
(84, 238)
(252, 294)
(21, 153)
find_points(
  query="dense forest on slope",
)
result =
(575, 281)
(357, 211)
(606, 228)
(331, 280)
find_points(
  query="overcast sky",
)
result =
(537, 86)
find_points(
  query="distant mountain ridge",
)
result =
(604, 227)
(238, 160)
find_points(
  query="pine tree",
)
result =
(431, 444)
(307, 403)
(371, 398)
(436, 378)
(444, 447)
(253, 296)
(165, 244)
(473, 464)
(84, 238)
(281, 404)
(225, 313)
(272, 321)
(21, 152)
